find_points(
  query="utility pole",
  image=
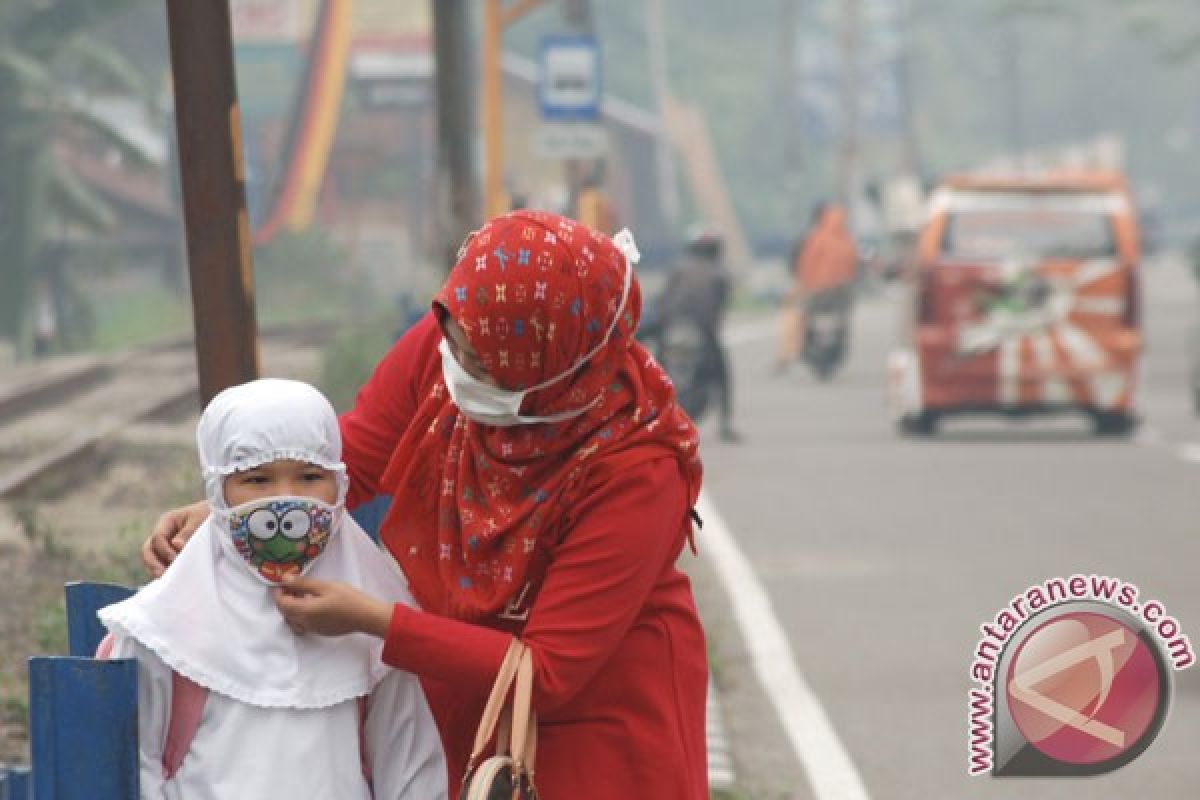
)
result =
(212, 173)
(457, 193)
(656, 40)
(847, 163)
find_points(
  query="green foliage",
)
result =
(50, 63)
(728, 794)
(131, 317)
(351, 358)
(42, 535)
(121, 561)
(50, 628)
(303, 275)
(14, 703)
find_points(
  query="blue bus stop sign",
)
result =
(569, 84)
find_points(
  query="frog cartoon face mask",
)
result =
(256, 423)
(280, 536)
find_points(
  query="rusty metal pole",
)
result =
(212, 176)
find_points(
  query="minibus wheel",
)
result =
(1113, 423)
(920, 423)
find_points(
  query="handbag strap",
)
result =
(495, 702)
(524, 722)
(504, 731)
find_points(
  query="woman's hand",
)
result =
(170, 534)
(331, 609)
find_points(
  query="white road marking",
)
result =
(1190, 452)
(831, 773)
(1148, 436)
(720, 761)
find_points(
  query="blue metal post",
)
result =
(83, 728)
(17, 785)
(84, 630)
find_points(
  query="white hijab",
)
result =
(211, 619)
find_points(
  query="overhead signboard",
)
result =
(569, 79)
(265, 20)
(383, 79)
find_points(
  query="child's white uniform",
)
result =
(240, 751)
(267, 744)
(281, 716)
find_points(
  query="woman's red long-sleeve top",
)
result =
(619, 656)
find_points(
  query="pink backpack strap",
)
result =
(187, 706)
(105, 648)
(363, 756)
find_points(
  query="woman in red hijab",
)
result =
(542, 476)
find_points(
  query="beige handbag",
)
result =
(508, 775)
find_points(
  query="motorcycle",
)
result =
(684, 350)
(825, 341)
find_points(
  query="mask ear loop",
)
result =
(625, 243)
(466, 242)
(628, 248)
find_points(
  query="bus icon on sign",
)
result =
(569, 78)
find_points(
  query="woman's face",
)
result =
(463, 353)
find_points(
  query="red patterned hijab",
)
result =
(534, 293)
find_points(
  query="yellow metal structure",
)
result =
(496, 17)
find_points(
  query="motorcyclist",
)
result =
(824, 266)
(698, 288)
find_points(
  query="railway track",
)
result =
(52, 417)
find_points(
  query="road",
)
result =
(882, 556)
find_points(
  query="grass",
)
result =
(136, 317)
(350, 358)
(50, 628)
(299, 277)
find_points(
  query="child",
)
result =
(231, 702)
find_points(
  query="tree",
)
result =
(51, 64)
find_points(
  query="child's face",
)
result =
(284, 477)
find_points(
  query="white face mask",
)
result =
(491, 405)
